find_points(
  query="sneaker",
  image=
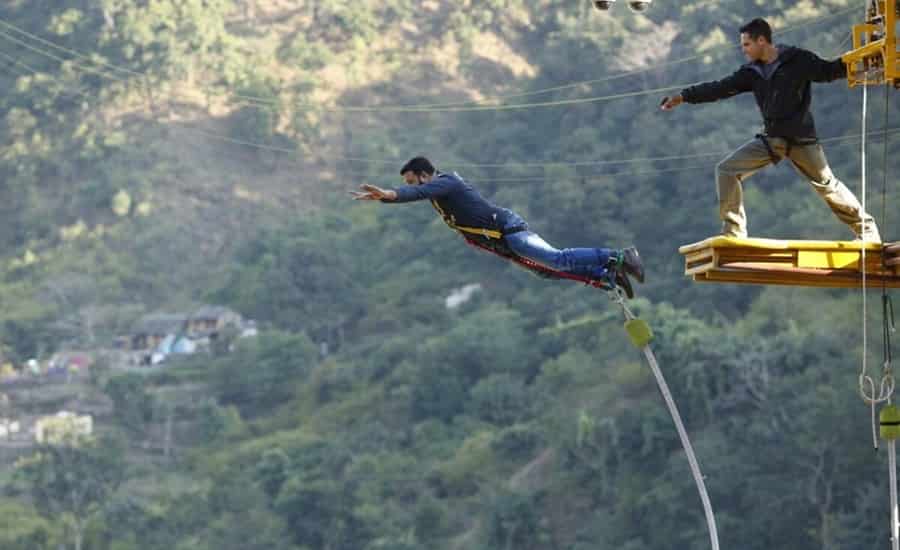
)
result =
(623, 282)
(632, 264)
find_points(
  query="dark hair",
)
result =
(758, 27)
(418, 165)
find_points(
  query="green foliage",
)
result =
(469, 466)
(304, 53)
(167, 38)
(430, 519)
(298, 282)
(256, 122)
(514, 522)
(219, 424)
(243, 520)
(517, 442)
(313, 509)
(501, 399)
(367, 415)
(272, 470)
(23, 529)
(262, 372)
(132, 404)
(160, 524)
(439, 392)
(71, 483)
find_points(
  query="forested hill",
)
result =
(159, 155)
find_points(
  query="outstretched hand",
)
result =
(373, 193)
(670, 102)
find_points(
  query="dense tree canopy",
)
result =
(159, 153)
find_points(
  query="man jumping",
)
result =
(502, 230)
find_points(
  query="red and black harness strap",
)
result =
(499, 248)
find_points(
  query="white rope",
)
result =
(863, 196)
(892, 474)
(866, 381)
(617, 296)
(867, 386)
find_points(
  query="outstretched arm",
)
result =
(821, 70)
(739, 82)
(436, 188)
(373, 193)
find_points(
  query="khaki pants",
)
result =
(810, 162)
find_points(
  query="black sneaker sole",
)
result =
(632, 264)
(625, 284)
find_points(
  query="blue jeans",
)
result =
(586, 262)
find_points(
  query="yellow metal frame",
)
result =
(833, 264)
(875, 58)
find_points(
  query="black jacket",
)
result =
(784, 98)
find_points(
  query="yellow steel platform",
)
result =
(875, 57)
(798, 263)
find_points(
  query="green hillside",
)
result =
(156, 156)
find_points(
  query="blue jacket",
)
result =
(461, 206)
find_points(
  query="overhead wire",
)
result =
(373, 161)
(523, 179)
(246, 143)
(577, 177)
(487, 180)
(837, 139)
(335, 109)
(434, 107)
(699, 55)
(63, 61)
(69, 51)
(382, 108)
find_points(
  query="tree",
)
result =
(311, 509)
(501, 399)
(241, 519)
(132, 404)
(272, 470)
(23, 528)
(262, 372)
(72, 482)
(515, 522)
(219, 424)
(296, 279)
